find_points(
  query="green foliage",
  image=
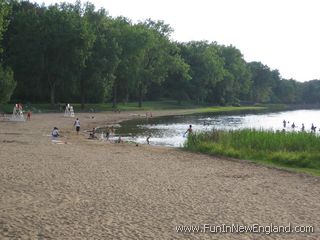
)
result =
(4, 11)
(311, 92)
(262, 82)
(292, 149)
(75, 53)
(236, 83)
(206, 68)
(7, 84)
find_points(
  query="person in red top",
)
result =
(29, 115)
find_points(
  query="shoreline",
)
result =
(93, 190)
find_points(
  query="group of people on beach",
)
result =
(293, 126)
(92, 134)
(55, 130)
(109, 132)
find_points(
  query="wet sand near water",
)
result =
(88, 189)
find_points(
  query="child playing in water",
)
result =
(92, 134)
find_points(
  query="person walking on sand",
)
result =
(148, 139)
(29, 115)
(77, 124)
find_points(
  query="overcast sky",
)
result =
(283, 34)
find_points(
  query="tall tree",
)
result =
(237, 76)
(97, 75)
(24, 51)
(153, 59)
(7, 83)
(178, 79)
(206, 68)
(262, 82)
(67, 43)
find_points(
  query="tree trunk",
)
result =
(82, 93)
(83, 100)
(114, 101)
(52, 94)
(140, 95)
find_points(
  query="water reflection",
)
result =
(169, 131)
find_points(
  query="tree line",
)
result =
(75, 53)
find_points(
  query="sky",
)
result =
(283, 34)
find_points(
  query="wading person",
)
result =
(107, 133)
(189, 130)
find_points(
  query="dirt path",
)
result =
(96, 190)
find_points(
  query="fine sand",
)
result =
(88, 189)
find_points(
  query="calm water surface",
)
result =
(169, 131)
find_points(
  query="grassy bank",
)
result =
(295, 151)
(133, 106)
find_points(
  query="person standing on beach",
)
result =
(29, 115)
(77, 124)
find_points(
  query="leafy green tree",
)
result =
(128, 40)
(262, 82)
(7, 83)
(311, 92)
(237, 76)
(178, 79)
(24, 51)
(4, 12)
(154, 55)
(67, 43)
(288, 91)
(206, 68)
(97, 74)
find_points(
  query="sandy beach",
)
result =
(89, 189)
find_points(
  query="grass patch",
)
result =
(299, 151)
(131, 106)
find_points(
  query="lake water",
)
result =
(169, 131)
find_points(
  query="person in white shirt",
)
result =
(55, 132)
(77, 124)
